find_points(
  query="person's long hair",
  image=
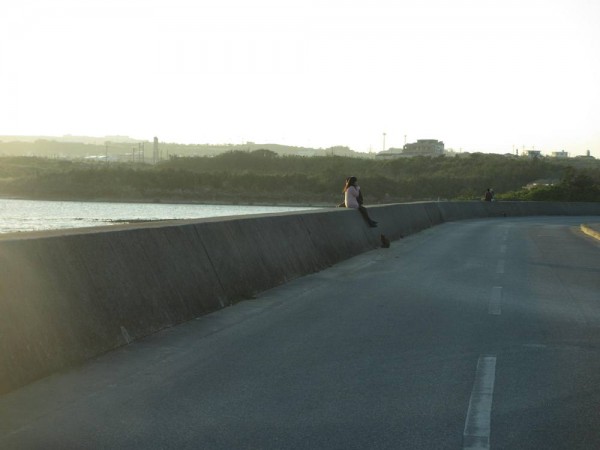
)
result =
(350, 181)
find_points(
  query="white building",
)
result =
(423, 147)
(532, 153)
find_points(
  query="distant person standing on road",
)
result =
(353, 199)
(488, 195)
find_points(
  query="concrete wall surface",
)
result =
(67, 296)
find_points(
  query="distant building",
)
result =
(532, 153)
(424, 147)
(391, 153)
(588, 155)
(560, 154)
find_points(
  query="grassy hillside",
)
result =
(263, 176)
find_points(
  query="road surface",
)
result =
(472, 334)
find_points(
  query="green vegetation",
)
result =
(263, 176)
(575, 186)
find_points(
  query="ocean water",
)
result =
(33, 215)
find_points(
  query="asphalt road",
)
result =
(473, 334)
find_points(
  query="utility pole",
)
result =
(383, 142)
(155, 151)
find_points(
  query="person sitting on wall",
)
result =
(353, 199)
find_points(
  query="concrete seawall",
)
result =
(66, 297)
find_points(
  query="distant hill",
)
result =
(300, 151)
(122, 147)
(72, 139)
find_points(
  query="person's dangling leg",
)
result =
(365, 214)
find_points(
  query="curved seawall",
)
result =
(69, 296)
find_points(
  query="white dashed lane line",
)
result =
(476, 435)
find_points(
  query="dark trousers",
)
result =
(364, 213)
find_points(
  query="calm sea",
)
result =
(31, 215)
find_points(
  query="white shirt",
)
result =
(351, 197)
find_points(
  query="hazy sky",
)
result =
(480, 75)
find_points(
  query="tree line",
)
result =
(262, 176)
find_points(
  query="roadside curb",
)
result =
(587, 229)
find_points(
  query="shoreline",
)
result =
(21, 215)
(175, 202)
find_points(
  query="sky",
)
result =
(479, 75)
